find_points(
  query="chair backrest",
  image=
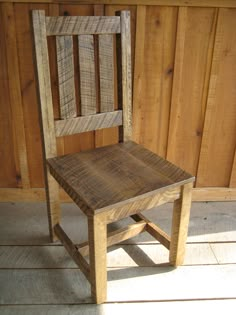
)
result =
(87, 30)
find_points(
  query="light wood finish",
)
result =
(65, 63)
(87, 74)
(88, 123)
(97, 233)
(47, 125)
(107, 183)
(197, 25)
(218, 142)
(117, 236)
(154, 230)
(106, 72)
(126, 74)
(82, 25)
(180, 222)
(233, 173)
(72, 250)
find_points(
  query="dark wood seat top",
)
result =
(111, 174)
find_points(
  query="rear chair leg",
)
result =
(180, 221)
(97, 231)
(53, 205)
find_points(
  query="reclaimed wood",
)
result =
(218, 142)
(88, 123)
(126, 74)
(87, 74)
(66, 76)
(47, 125)
(106, 72)
(97, 232)
(122, 171)
(72, 251)
(180, 221)
(117, 236)
(82, 25)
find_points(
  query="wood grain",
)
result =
(233, 173)
(8, 173)
(106, 72)
(194, 48)
(82, 25)
(218, 142)
(88, 123)
(153, 75)
(66, 76)
(87, 74)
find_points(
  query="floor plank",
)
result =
(118, 256)
(34, 286)
(26, 223)
(225, 253)
(218, 307)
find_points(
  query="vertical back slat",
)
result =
(106, 70)
(126, 74)
(66, 76)
(87, 74)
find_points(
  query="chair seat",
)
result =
(105, 176)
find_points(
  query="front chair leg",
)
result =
(180, 221)
(97, 231)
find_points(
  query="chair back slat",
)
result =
(106, 72)
(78, 25)
(87, 74)
(66, 76)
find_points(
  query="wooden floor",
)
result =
(37, 277)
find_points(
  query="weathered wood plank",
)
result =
(66, 76)
(218, 142)
(225, 253)
(87, 74)
(73, 25)
(148, 284)
(126, 74)
(190, 85)
(106, 72)
(46, 119)
(88, 123)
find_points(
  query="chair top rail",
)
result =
(82, 25)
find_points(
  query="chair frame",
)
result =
(99, 239)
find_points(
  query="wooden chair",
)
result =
(111, 182)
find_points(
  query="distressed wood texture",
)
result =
(82, 25)
(87, 74)
(66, 76)
(88, 123)
(183, 69)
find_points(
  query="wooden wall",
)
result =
(184, 69)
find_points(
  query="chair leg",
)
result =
(97, 231)
(180, 221)
(53, 205)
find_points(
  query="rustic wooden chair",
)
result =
(111, 182)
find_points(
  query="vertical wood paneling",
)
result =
(233, 174)
(28, 90)
(17, 118)
(7, 161)
(154, 61)
(218, 143)
(194, 46)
